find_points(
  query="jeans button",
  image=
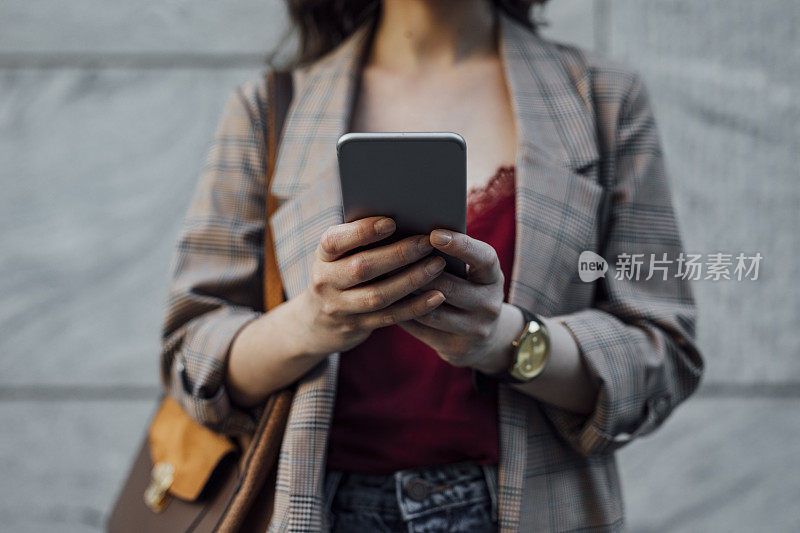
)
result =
(417, 489)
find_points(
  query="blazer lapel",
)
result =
(306, 180)
(557, 192)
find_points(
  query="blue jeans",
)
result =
(453, 497)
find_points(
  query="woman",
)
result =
(387, 431)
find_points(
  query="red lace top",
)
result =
(398, 404)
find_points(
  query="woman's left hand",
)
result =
(473, 327)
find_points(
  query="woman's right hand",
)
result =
(344, 302)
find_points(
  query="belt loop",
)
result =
(490, 473)
(399, 482)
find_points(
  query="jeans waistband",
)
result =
(414, 491)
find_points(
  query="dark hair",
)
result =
(322, 25)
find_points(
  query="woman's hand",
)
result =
(474, 328)
(344, 302)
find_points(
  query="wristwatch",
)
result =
(530, 355)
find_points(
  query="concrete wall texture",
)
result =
(107, 109)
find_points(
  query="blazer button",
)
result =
(417, 489)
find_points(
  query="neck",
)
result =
(418, 34)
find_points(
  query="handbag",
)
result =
(186, 477)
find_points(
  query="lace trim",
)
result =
(482, 197)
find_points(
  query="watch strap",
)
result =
(482, 382)
(527, 316)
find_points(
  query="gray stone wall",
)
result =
(107, 109)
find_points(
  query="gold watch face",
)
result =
(532, 352)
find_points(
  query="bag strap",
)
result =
(263, 452)
(279, 96)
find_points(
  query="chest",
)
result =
(471, 100)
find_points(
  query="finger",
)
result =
(368, 264)
(407, 309)
(484, 267)
(339, 239)
(428, 335)
(446, 344)
(459, 292)
(449, 319)
(380, 294)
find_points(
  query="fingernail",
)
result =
(384, 226)
(435, 299)
(441, 238)
(435, 266)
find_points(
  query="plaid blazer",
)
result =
(579, 118)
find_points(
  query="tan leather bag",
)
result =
(188, 478)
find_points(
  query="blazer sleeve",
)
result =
(638, 342)
(216, 278)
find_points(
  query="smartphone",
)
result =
(417, 179)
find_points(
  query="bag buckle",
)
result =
(156, 496)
